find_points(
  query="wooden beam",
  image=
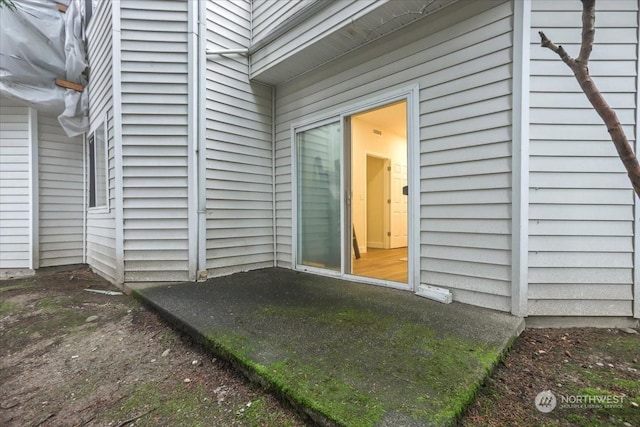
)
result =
(69, 85)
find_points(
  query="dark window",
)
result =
(97, 168)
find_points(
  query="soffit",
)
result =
(377, 20)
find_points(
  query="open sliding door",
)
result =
(378, 205)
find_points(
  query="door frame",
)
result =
(342, 113)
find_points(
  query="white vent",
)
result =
(435, 293)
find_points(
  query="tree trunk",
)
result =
(580, 69)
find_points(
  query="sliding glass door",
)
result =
(350, 197)
(319, 162)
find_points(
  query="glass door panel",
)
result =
(319, 162)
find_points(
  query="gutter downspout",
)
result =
(201, 154)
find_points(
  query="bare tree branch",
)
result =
(545, 42)
(588, 30)
(581, 71)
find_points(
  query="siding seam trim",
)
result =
(34, 180)
(636, 216)
(520, 157)
(273, 170)
(116, 87)
(85, 216)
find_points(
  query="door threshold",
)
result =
(378, 282)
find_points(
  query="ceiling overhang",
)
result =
(328, 29)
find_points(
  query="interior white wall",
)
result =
(365, 142)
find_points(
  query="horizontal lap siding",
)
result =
(61, 198)
(100, 223)
(461, 60)
(100, 235)
(239, 151)
(581, 202)
(465, 176)
(268, 14)
(154, 140)
(15, 192)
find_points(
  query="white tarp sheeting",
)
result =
(39, 44)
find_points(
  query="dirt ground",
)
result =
(76, 358)
(71, 357)
(594, 375)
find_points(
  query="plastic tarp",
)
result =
(39, 44)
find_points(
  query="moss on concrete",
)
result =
(358, 365)
(357, 355)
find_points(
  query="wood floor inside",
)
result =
(386, 264)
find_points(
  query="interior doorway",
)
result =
(379, 201)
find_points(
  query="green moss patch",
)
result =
(257, 414)
(177, 406)
(18, 287)
(7, 307)
(357, 367)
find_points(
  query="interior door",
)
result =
(399, 204)
(377, 206)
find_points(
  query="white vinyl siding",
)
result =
(268, 14)
(154, 140)
(239, 150)
(100, 222)
(581, 203)
(100, 52)
(15, 192)
(100, 235)
(461, 59)
(466, 162)
(60, 193)
(329, 19)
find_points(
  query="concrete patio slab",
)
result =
(343, 353)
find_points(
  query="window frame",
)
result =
(97, 138)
